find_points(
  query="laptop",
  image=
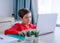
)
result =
(46, 23)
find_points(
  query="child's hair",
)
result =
(23, 12)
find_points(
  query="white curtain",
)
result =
(49, 6)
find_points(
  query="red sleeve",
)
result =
(32, 26)
(12, 30)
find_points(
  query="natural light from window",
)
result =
(49, 6)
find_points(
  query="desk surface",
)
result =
(49, 38)
(53, 37)
(22, 39)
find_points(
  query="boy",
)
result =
(24, 26)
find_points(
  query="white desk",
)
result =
(52, 38)
(49, 38)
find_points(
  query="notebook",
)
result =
(7, 39)
(21, 38)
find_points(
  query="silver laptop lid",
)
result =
(46, 23)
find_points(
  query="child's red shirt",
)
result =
(19, 27)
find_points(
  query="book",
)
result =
(21, 38)
(7, 39)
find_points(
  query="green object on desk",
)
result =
(21, 38)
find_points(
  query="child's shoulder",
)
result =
(32, 25)
(17, 24)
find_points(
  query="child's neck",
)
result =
(23, 24)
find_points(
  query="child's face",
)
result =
(26, 18)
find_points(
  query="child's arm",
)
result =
(32, 26)
(12, 30)
(22, 32)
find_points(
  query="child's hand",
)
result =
(22, 33)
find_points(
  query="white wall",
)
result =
(6, 7)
